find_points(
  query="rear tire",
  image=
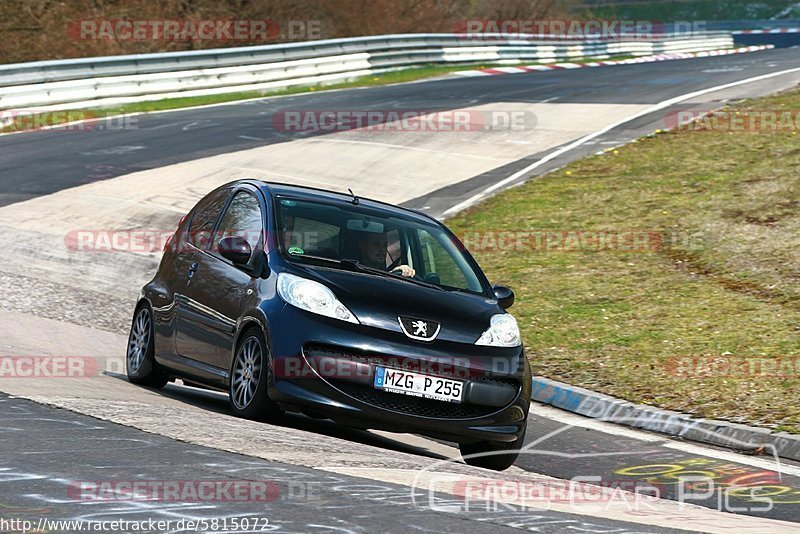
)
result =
(503, 454)
(140, 363)
(250, 378)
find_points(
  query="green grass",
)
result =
(616, 321)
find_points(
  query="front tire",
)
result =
(494, 455)
(249, 380)
(140, 363)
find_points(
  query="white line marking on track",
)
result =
(664, 441)
(575, 144)
(197, 125)
(114, 150)
(161, 126)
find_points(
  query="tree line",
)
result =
(32, 30)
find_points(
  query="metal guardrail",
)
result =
(118, 79)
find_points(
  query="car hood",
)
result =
(379, 301)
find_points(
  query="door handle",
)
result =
(192, 269)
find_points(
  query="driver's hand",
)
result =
(404, 270)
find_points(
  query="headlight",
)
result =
(503, 332)
(312, 296)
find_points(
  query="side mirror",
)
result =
(504, 296)
(235, 249)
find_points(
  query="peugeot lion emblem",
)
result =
(419, 329)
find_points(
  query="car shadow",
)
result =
(218, 402)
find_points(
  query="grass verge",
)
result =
(705, 322)
(696, 10)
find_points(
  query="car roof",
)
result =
(313, 193)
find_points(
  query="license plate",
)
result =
(418, 385)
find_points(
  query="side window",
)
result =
(243, 219)
(205, 215)
(438, 260)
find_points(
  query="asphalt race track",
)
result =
(179, 136)
(349, 503)
(57, 432)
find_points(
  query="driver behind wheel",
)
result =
(372, 248)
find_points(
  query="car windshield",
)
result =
(375, 241)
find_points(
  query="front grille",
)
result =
(406, 404)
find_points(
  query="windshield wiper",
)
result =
(316, 258)
(355, 265)
(358, 266)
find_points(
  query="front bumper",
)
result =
(304, 348)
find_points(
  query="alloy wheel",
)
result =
(246, 373)
(139, 340)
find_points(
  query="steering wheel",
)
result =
(392, 266)
(415, 277)
(396, 263)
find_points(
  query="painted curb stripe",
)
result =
(763, 32)
(644, 59)
(606, 408)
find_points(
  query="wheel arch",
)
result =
(254, 318)
(143, 301)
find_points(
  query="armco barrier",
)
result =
(778, 37)
(120, 79)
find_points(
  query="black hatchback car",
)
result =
(339, 307)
